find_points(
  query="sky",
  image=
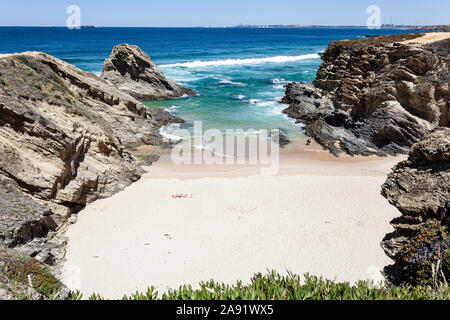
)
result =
(190, 13)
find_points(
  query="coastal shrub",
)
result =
(43, 121)
(423, 85)
(274, 286)
(374, 62)
(376, 41)
(426, 258)
(11, 155)
(28, 271)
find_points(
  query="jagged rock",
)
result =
(22, 218)
(66, 138)
(420, 188)
(374, 96)
(283, 139)
(132, 70)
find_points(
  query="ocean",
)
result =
(239, 73)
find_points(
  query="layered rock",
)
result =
(374, 96)
(66, 138)
(132, 71)
(420, 189)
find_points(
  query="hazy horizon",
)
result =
(203, 13)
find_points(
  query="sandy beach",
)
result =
(320, 214)
(430, 37)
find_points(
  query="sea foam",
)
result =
(167, 133)
(232, 62)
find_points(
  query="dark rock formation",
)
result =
(66, 139)
(420, 189)
(132, 71)
(374, 96)
(283, 139)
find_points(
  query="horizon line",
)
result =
(289, 26)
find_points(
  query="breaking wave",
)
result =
(232, 62)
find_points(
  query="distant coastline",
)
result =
(441, 28)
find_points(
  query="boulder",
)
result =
(132, 71)
(66, 140)
(420, 188)
(374, 96)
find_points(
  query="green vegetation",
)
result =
(273, 286)
(423, 85)
(28, 271)
(11, 155)
(22, 59)
(425, 260)
(43, 121)
(374, 62)
(376, 41)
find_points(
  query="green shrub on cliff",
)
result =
(28, 272)
(425, 260)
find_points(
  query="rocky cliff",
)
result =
(420, 189)
(375, 96)
(66, 139)
(132, 71)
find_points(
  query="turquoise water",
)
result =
(238, 73)
(243, 96)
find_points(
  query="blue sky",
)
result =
(221, 12)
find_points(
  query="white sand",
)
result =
(319, 215)
(430, 37)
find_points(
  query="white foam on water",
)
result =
(226, 81)
(239, 96)
(267, 104)
(294, 122)
(278, 86)
(279, 81)
(167, 132)
(172, 109)
(233, 62)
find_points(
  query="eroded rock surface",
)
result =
(66, 139)
(132, 70)
(375, 96)
(420, 189)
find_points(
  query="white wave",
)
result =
(267, 104)
(232, 62)
(300, 125)
(172, 109)
(167, 133)
(276, 109)
(239, 96)
(226, 81)
(279, 86)
(279, 81)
